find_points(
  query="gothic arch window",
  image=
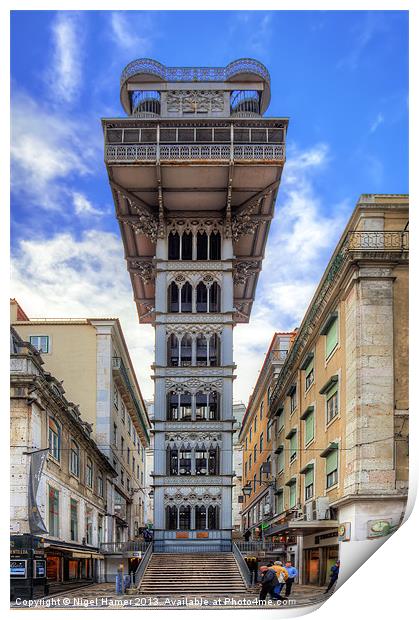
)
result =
(185, 517)
(202, 246)
(214, 351)
(186, 350)
(201, 462)
(214, 297)
(206, 406)
(187, 246)
(173, 298)
(201, 351)
(186, 298)
(201, 298)
(213, 458)
(172, 455)
(213, 517)
(185, 462)
(174, 246)
(179, 406)
(215, 246)
(173, 350)
(171, 517)
(200, 517)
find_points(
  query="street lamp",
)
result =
(247, 490)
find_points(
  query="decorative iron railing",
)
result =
(190, 152)
(378, 240)
(253, 546)
(123, 547)
(194, 74)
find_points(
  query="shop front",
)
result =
(27, 567)
(320, 553)
(66, 566)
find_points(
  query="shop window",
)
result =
(54, 439)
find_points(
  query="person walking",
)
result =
(269, 582)
(247, 535)
(253, 567)
(292, 574)
(334, 574)
(282, 576)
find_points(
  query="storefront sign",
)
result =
(344, 531)
(136, 554)
(18, 569)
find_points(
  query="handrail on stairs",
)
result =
(139, 573)
(244, 569)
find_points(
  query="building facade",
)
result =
(92, 359)
(61, 483)
(239, 409)
(256, 438)
(194, 169)
(341, 400)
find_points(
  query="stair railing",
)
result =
(244, 569)
(139, 573)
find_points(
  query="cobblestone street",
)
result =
(102, 596)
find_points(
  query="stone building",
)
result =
(92, 358)
(239, 410)
(256, 437)
(341, 403)
(194, 170)
(65, 515)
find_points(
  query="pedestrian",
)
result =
(282, 575)
(292, 574)
(247, 535)
(269, 582)
(334, 574)
(253, 567)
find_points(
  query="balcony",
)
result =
(381, 241)
(118, 548)
(193, 152)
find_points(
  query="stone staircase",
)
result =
(192, 573)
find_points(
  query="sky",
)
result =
(340, 76)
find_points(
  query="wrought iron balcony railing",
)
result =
(198, 152)
(378, 240)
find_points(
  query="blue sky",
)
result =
(341, 77)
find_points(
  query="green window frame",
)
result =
(41, 343)
(331, 337)
(332, 403)
(309, 428)
(280, 501)
(54, 439)
(309, 484)
(281, 461)
(331, 468)
(293, 494)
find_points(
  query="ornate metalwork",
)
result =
(194, 225)
(378, 240)
(181, 385)
(245, 223)
(243, 270)
(194, 74)
(195, 101)
(186, 152)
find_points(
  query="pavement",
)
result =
(102, 596)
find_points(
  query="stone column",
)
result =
(369, 443)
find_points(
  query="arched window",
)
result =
(214, 297)
(173, 350)
(215, 246)
(173, 298)
(200, 517)
(54, 439)
(74, 458)
(185, 462)
(201, 351)
(213, 461)
(214, 351)
(206, 406)
(179, 406)
(213, 517)
(201, 462)
(213, 406)
(185, 518)
(186, 298)
(174, 246)
(202, 246)
(186, 351)
(187, 246)
(171, 517)
(201, 298)
(172, 461)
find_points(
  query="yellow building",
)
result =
(340, 455)
(256, 436)
(92, 359)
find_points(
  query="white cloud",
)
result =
(302, 238)
(379, 120)
(47, 151)
(64, 277)
(65, 73)
(83, 206)
(129, 36)
(255, 28)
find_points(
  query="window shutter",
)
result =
(309, 368)
(331, 337)
(281, 421)
(332, 391)
(293, 442)
(309, 477)
(331, 462)
(292, 495)
(309, 427)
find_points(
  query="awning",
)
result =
(302, 528)
(75, 553)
